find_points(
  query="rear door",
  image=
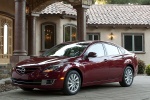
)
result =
(115, 61)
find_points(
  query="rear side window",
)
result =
(111, 49)
(97, 48)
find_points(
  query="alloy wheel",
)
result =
(128, 76)
(73, 82)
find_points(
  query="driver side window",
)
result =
(97, 48)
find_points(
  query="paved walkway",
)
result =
(140, 90)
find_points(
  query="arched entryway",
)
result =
(30, 9)
(6, 38)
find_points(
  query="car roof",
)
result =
(89, 42)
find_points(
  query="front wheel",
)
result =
(72, 83)
(127, 78)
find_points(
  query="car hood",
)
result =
(39, 61)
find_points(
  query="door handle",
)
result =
(105, 60)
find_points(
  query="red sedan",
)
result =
(72, 65)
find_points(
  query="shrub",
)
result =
(147, 70)
(141, 66)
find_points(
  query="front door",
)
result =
(48, 35)
(96, 67)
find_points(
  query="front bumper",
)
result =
(38, 80)
(40, 84)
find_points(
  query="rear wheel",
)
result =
(72, 83)
(127, 78)
(26, 89)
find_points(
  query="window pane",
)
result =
(90, 37)
(49, 36)
(95, 37)
(5, 39)
(111, 50)
(74, 33)
(67, 33)
(128, 43)
(138, 43)
(98, 49)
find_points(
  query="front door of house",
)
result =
(48, 35)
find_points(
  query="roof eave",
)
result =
(119, 26)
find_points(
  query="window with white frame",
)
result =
(133, 42)
(93, 36)
(70, 32)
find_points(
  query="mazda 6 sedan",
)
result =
(72, 65)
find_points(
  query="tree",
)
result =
(100, 1)
(143, 2)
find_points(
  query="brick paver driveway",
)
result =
(140, 90)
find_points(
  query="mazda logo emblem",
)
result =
(21, 70)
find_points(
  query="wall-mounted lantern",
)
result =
(111, 36)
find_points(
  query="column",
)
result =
(31, 35)
(81, 22)
(19, 52)
(20, 26)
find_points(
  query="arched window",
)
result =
(48, 35)
(6, 38)
(70, 32)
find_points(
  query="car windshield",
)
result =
(69, 50)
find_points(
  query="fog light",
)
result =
(48, 82)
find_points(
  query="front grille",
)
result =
(26, 70)
(33, 82)
(26, 82)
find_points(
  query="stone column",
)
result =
(81, 22)
(20, 26)
(19, 52)
(31, 35)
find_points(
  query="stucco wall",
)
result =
(105, 32)
(59, 29)
(7, 6)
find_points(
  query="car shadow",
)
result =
(100, 87)
(58, 93)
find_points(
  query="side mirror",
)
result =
(91, 54)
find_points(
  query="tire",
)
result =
(26, 89)
(127, 78)
(72, 83)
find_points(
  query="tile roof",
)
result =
(59, 8)
(110, 14)
(119, 14)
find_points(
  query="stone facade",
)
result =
(5, 70)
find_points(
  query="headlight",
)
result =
(51, 68)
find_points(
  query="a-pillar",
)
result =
(19, 52)
(81, 22)
(31, 35)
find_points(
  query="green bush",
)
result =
(141, 66)
(147, 70)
